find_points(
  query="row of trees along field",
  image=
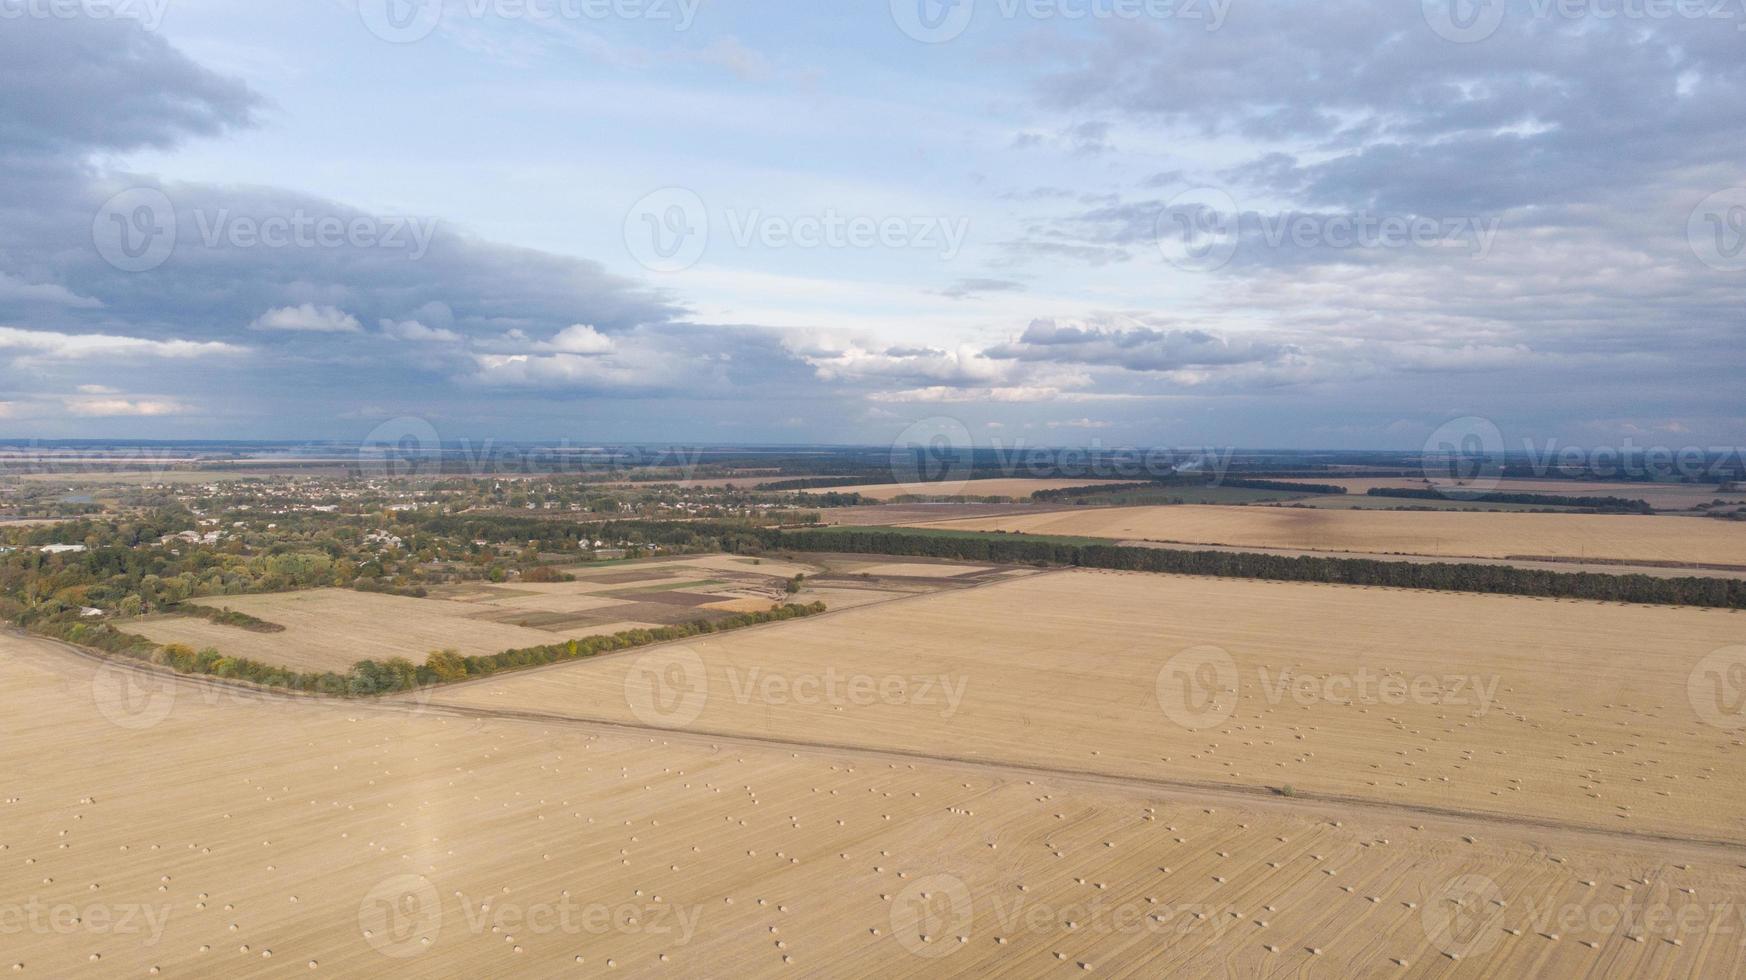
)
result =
(1617, 505)
(369, 678)
(1449, 576)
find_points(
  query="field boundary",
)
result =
(1232, 791)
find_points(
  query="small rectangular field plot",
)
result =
(923, 570)
(688, 600)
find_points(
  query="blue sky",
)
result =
(1061, 222)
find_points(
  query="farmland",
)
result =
(973, 758)
(332, 629)
(1019, 488)
(1062, 671)
(1446, 534)
(428, 843)
(1661, 496)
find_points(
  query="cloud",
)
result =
(731, 53)
(307, 318)
(415, 332)
(85, 83)
(123, 407)
(1133, 347)
(965, 288)
(14, 290)
(52, 346)
(940, 394)
(558, 370)
(579, 338)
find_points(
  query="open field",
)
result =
(880, 515)
(332, 629)
(1573, 712)
(428, 845)
(1661, 496)
(1603, 568)
(1019, 488)
(1450, 534)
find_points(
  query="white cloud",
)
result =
(118, 407)
(552, 370)
(49, 345)
(307, 318)
(415, 332)
(580, 338)
(16, 290)
(97, 390)
(942, 394)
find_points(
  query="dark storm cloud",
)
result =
(414, 314)
(81, 83)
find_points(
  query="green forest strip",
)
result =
(369, 678)
(1711, 592)
(1622, 505)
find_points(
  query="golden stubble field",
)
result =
(1441, 533)
(332, 629)
(1662, 496)
(324, 839)
(1019, 488)
(1562, 711)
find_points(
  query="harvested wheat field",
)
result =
(1520, 707)
(1441, 533)
(1661, 496)
(1019, 488)
(331, 629)
(922, 569)
(364, 840)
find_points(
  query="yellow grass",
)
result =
(1017, 487)
(1442, 533)
(321, 839)
(1587, 718)
(921, 570)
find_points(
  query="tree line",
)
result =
(1619, 505)
(1712, 592)
(370, 678)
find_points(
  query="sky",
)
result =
(1334, 225)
